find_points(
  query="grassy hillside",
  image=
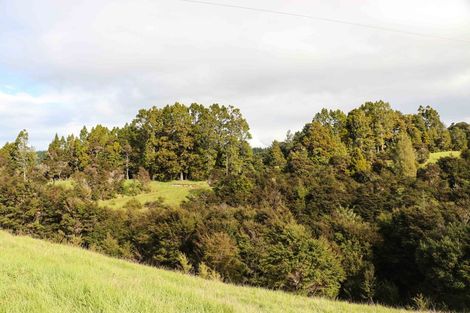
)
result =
(172, 193)
(434, 157)
(37, 276)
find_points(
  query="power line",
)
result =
(324, 19)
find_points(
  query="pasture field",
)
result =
(434, 157)
(173, 193)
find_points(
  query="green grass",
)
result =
(173, 193)
(37, 276)
(65, 183)
(434, 157)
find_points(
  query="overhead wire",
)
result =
(325, 19)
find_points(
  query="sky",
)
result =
(66, 64)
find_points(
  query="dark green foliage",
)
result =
(189, 142)
(160, 234)
(460, 136)
(354, 239)
(275, 157)
(434, 133)
(321, 143)
(291, 260)
(445, 262)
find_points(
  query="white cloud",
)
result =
(100, 61)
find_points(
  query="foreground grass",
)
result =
(172, 193)
(434, 157)
(37, 276)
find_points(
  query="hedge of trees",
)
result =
(344, 208)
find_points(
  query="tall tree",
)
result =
(24, 155)
(56, 158)
(204, 153)
(321, 143)
(335, 119)
(383, 123)
(359, 162)
(460, 135)
(124, 138)
(275, 158)
(435, 134)
(232, 133)
(360, 132)
(404, 156)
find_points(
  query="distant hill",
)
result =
(37, 276)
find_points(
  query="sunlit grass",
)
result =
(434, 157)
(40, 277)
(65, 183)
(172, 193)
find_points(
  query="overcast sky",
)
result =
(65, 64)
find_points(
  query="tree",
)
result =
(335, 119)
(292, 261)
(190, 142)
(204, 154)
(104, 149)
(354, 238)
(176, 138)
(56, 159)
(124, 137)
(359, 162)
(383, 123)
(24, 155)
(321, 143)
(299, 163)
(435, 134)
(222, 254)
(360, 133)
(404, 156)
(160, 235)
(275, 157)
(81, 149)
(460, 135)
(445, 262)
(232, 133)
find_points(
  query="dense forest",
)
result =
(347, 207)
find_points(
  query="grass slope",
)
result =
(37, 276)
(172, 193)
(434, 157)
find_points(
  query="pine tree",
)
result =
(56, 158)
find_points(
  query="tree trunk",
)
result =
(181, 175)
(127, 166)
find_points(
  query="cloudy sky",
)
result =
(65, 64)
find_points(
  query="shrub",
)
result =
(293, 261)
(131, 187)
(184, 264)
